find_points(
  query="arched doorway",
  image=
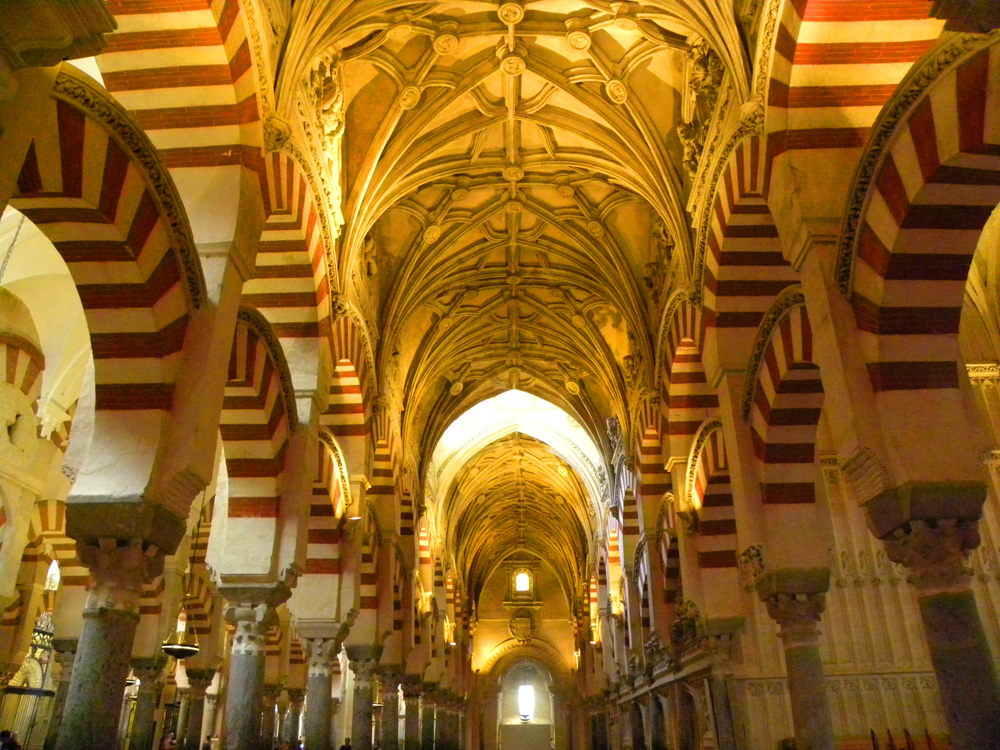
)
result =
(638, 728)
(657, 725)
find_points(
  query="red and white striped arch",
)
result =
(686, 399)
(258, 414)
(835, 64)
(937, 183)
(744, 268)
(186, 72)
(785, 411)
(326, 511)
(350, 407)
(291, 281)
(711, 493)
(91, 183)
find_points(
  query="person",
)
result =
(12, 742)
(4, 738)
(347, 744)
(169, 742)
(207, 744)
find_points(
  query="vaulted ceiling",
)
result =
(514, 191)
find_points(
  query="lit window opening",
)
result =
(526, 702)
(522, 582)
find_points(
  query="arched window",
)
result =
(522, 582)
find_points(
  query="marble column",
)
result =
(269, 701)
(199, 681)
(211, 714)
(390, 709)
(427, 719)
(411, 701)
(797, 616)
(101, 666)
(935, 551)
(321, 652)
(364, 662)
(246, 675)
(292, 721)
(184, 695)
(148, 671)
(64, 650)
(560, 719)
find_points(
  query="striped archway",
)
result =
(710, 494)
(258, 415)
(936, 183)
(783, 402)
(834, 65)
(686, 398)
(742, 266)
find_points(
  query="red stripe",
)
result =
(863, 53)
(839, 96)
(71, 126)
(972, 95)
(115, 170)
(166, 39)
(869, 10)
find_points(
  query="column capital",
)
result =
(148, 669)
(797, 615)
(935, 552)
(320, 653)
(296, 697)
(269, 694)
(119, 568)
(199, 679)
(364, 671)
(412, 687)
(252, 621)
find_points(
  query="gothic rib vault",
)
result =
(410, 353)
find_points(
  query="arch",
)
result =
(291, 285)
(801, 95)
(191, 76)
(638, 726)
(783, 402)
(258, 415)
(686, 396)
(505, 655)
(92, 182)
(740, 263)
(924, 209)
(711, 495)
(352, 385)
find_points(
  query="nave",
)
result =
(500, 374)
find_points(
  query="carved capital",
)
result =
(412, 688)
(119, 568)
(797, 615)
(148, 670)
(364, 672)
(984, 375)
(199, 680)
(936, 552)
(269, 695)
(296, 698)
(252, 622)
(321, 652)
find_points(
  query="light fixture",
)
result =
(525, 702)
(183, 643)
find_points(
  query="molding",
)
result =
(78, 92)
(339, 466)
(790, 297)
(701, 437)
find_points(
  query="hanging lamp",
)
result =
(183, 643)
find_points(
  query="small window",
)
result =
(522, 582)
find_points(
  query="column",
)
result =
(560, 719)
(390, 709)
(269, 700)
(199, 681)
(411, 701)
(363, 661)
(101, 666)
(441, 739)
(935, 551)
(182, 714)
(295, 700)
(64, 650)
(246, 675)
(427, 719)
(148, 671)
(720, 638)
(282, 716)
(211, 714)
(491, 719)
(321, 653)
(797, 615)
